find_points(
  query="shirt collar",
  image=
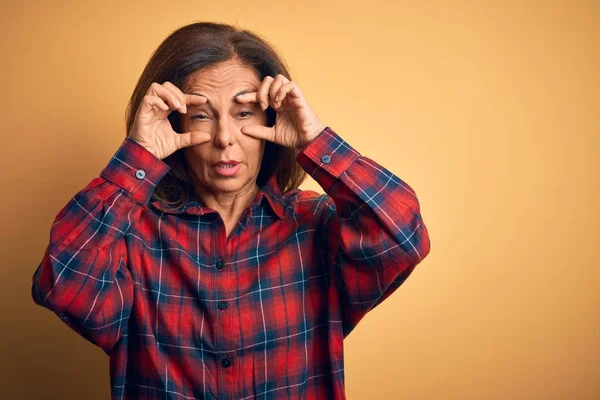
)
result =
(269, 191)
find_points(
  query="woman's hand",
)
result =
(153, 130)
(296, 123)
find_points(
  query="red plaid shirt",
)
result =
(186, 313)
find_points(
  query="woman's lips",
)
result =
(227, 169)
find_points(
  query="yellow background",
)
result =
(488, 109)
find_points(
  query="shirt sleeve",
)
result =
(83, 276)
(371, 227)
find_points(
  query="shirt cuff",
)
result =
(136, 170)
(326, 157)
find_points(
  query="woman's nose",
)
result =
(225, 136)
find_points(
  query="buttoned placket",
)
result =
(222, 305)
(225, 319)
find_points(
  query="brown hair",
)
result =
(201, 45)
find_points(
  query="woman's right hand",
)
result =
(153, 130)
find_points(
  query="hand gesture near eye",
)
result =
(296, 123)
(153, 130)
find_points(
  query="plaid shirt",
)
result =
(186, 313)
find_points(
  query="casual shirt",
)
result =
(185, 312)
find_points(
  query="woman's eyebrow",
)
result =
(232, 99)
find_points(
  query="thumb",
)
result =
(192, 138)
(259, 131)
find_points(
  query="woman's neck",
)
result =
(229, 205)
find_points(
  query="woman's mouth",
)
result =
(227, 169)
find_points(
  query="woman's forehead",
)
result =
(222, 75)
(211, 99)
(221, 91)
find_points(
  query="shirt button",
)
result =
(220, 263)
(226, 362)
(140, 174)
(326, 158)
(223, 305)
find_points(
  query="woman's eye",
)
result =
(203, 117)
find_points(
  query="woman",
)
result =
(195, 262)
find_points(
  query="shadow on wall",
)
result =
(64, 365)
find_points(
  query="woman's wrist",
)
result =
(310, 137)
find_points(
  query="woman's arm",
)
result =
(83, 276)
(371, 228)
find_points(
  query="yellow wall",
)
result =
(489, 110)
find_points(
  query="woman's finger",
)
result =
(263, 92)
(259, 132)
(179, 96)
(283, 91)
(194, 99)
(192, 138)
(167, 95)
(277, 83)
(250, 97)
(150, 101)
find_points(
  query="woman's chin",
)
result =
(227, 185)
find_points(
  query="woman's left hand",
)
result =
(296, 123)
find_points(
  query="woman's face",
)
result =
(223, 117)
